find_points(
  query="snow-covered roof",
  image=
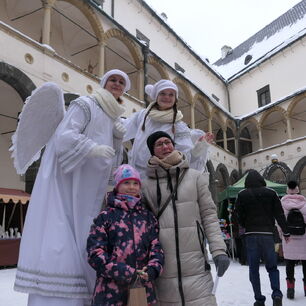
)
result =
(280, 33)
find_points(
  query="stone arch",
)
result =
(201, 112)
(269, 112)
(232, 125)
(294, 102)
(277, 166)
(298, 169)
(296, 113)
(246, 146)
(218, 127)
(184, 85)
(216, 113)
(231, 135)
(155, 63)
(24, 86)
(184, 100)
(136, 55)
(249, 121)
(17, 79)
(212, 180)
(233, 177)
(198, 97)
(221, 168)
(273, 127)
(91, 16)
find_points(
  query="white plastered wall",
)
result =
(168, 47)
(284, 72)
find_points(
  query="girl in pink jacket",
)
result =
(295, 249)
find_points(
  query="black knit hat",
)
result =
(154, 137)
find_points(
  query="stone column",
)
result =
(101, 60)
(289, 129)
(260, 137)
(192, 121)
(210, 125)
(224, 139)
(141, 83)
(46, 31)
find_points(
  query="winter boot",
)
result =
(304, 280)
(257, 303)
(290, 288)
(278, 301)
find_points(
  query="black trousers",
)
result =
(290, 264)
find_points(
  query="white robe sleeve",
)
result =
(132, 125)
(71, 145)
(117, 145)
(198, 161)
(182, 139)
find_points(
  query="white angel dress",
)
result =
(158, 121)
(201, 151)
(66, 197)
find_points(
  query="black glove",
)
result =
(222, 262)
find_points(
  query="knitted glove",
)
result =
(102, 151)
(119, 130)
(152, 273)
(222, 262)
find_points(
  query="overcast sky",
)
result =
(207, 25)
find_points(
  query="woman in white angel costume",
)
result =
(69, 188)
(162, 115)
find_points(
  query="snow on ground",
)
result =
(234, 289)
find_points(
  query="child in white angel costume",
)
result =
(162, 115)
(81, 151)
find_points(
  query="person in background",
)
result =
(257, 208)
(162, 115)
(180, 198)
(67, 195)
(123, 243)
(295, 249)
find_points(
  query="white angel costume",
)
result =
(158, 120)
(201, 151)
(66, 197)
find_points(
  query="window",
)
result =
(245, 142)
(142, 37)
(230, 141)
(219, 138)
(215, 97)
(264, 96)
(247, 59)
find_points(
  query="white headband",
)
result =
(106, 76)
(154, 90)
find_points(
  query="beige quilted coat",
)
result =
(194, 203)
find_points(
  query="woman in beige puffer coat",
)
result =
(187, 219)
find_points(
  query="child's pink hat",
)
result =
(125, 172)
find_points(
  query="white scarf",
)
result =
(108, 103)
(164, 116)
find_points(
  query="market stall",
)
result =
(13, 206)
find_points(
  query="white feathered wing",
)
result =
(40, 116)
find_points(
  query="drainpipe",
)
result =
(228, 98)
(113, 9)
(145, 52)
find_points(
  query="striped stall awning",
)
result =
(14, 195)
